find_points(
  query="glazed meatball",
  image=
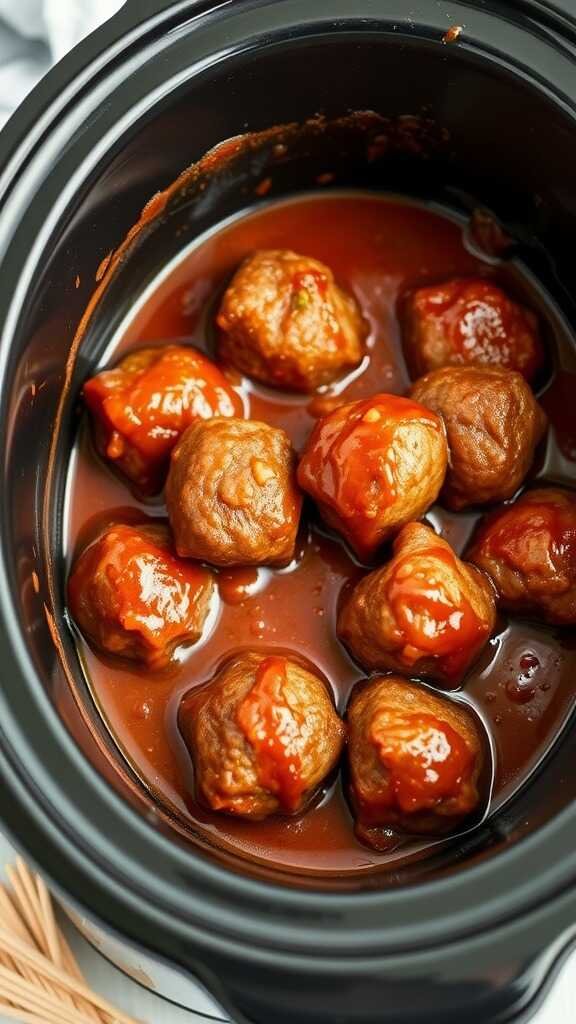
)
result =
(141, 407)
(493, 424)
(425, 613)
(232, 495)
(130, 595)
(263, 736)
(470, 321)
(414, 760)
(374, 465)
(529, 550)
(284, 321)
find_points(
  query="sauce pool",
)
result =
(523, 684)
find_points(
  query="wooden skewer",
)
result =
(40, 979)
(25, 1017)
(30, 997)
(23, 905)
(26, 902)
(45, 967)
(48, 923)
(14, 922)
(70, 965)
(50, 931)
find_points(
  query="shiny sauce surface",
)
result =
(523, 685)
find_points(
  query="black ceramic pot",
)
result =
(479, 932)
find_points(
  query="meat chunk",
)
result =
(426, 613)
(130, 595)
(374, 465)
(529, 550)
(414, 760)
(263, 736)
(284, 321)
(232, 495)
(140, 408)
(470, 321)
(493, 425)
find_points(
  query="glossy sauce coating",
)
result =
(377, 249)
(415, 759)
(141, 407)
(429, 618)
(470, 321)
(426, 763)
(130, 594)
(267, 723)
(372, 466)
(423, 612)
(529, 549)
(263, 736)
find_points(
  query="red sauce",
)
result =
(143, 405)
(269, 724)
(426, 758)
(237, 584)
(428, 617)
(351, 461)
(482, 325)
(377, 249)
(535, 536)
(129, 591)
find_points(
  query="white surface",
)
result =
(35, 33)
(560, 1007)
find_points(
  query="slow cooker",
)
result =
(480, 101)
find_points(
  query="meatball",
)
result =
(131, 596)
(466, 321)
(141, 407)
(414, 760)
(493, 424)
(529, 550)
(374, 465)
(425, 613)
(284, 321)
(263, 736)
(232, 495)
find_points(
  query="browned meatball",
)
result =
(414, 760)
(374, 465)
(284, 321)
(470, 320)
(425, 613)
(131, 596)
(493, 424)
(231, 493)
(529, 550)
(263, 736)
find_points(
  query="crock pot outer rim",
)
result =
(304, 906)
(138, 19)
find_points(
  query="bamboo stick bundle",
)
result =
(40, 979)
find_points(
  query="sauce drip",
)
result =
(429, 616)
(271, 727)
(355, 465)
(425, 756)
(377, 248)
(144, 405)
